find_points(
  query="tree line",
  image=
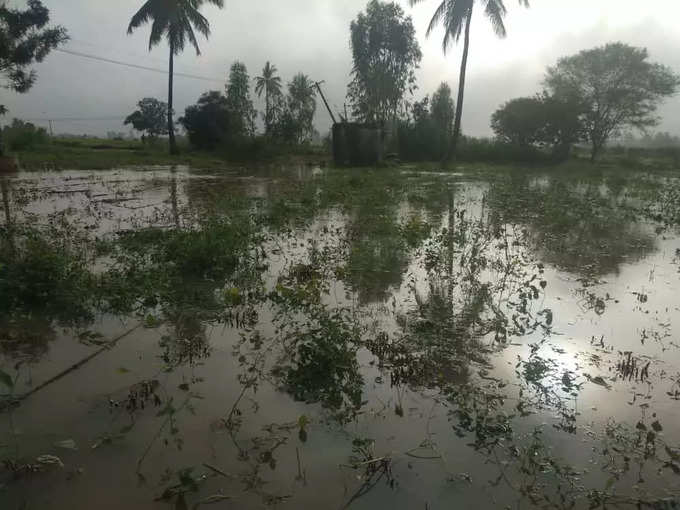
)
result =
(224, 119)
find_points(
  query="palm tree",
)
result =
(270, 84)
(456, 16)
(174, 20)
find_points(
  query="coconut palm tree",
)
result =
(270, 84)
(456, 16)
(174, 20)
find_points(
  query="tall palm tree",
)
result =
(174, 20)
(270, 84)
(456, 16)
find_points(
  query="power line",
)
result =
(82, 119)
(135, 66)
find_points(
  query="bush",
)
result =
(494, 151)
(21, 136)
(208, 123)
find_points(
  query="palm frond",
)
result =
(159, 28)
(189, 32)
(198, 21)
(495, 10)
(436, 17)
(458, 13)
(143, 15)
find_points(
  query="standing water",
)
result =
(298, 338)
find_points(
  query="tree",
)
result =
(174, 20)
(151, 117)
(520, 121)
(270, 84)
(386, 54)
(238, 99)
(540, 121)
(456, 16)
(25, 39)
(618, 86)
(302, 107)
(443, 109)
(209, 122)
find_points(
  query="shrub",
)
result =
(21, 136)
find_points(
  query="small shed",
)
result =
(356, 144)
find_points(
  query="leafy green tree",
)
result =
(302, 107)
(456, 16)
(540, 121)
(386, 54)
(270, 84)
(443, 109)
(25, 39)
(239, 102)
(209, 122)
(150, 117)
(520, 121)
(618, 86)
(174, 20)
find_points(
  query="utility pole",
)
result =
(330, 112)
(51, 130)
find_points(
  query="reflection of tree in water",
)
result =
(378, 253)
(187, 342)
(479, 285)
(25, 339)
(577, 227)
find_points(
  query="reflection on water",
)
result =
(291, 337)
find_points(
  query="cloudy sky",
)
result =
(313, 36)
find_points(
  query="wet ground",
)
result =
(296, 337)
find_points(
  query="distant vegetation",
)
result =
(150, 118)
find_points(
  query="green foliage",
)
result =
(540, 121)
(519, 121)
(494, 151)
(270, 84)
(41, 273)
(209, 123)
(618, 87)
(238, 101)
(425, 136)
(443, 110)
(301, 107)
(25, 39)
(20, 136)
(173, 268)
(151, 117)
(385, 55)
(175, 20)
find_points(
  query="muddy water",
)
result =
(361, 339)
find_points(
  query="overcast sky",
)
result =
(313, 36)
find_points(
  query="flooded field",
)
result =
(312, 338)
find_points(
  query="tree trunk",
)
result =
(171, 125)
(267, 113)
(461, 90)
(2, 149)
(595, 151)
